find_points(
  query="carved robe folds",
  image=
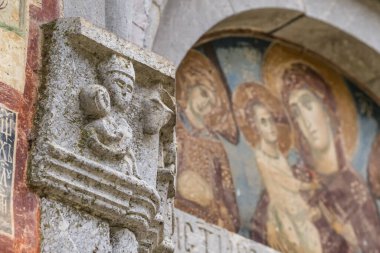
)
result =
(104, 149)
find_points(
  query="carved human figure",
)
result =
(159, 118)
(118, 76)
(343, 197)
(156, 113)
(105, 137)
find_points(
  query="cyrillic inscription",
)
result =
(7, 162)
(197, 236)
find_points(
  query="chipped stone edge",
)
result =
(155, 62)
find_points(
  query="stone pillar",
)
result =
(104, 157)
(119, 16)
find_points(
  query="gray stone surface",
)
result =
(134, 20)
(119, 17)
(123, 241)
(195, 235)
(266, 20)
(64, 228)
(105, 135)
(92, 10)
(243, 5)
(358, 18)
(141, 20)
(149, 63)
(154, 21)
(344, 51)
(183, 22)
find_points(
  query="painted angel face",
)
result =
(265, 124)
(201, 100)
(311, 117)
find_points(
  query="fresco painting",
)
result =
(275, 144)
(14, 42)
(204, 117)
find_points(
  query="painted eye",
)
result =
(308, 105)
(204, 93)
(295, 112)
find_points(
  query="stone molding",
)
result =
(197, 236)
(341, 31)
(99, 189)
(104, 132)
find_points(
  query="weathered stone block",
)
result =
(64, 227)
(104, 133)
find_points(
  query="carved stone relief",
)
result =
(105, 138)
(108, 135)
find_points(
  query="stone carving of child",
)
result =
(104, 136)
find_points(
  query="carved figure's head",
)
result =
(157, 114)
(118, 76)
(95, 101)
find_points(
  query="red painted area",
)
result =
(25, 202)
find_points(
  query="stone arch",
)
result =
(339, 30)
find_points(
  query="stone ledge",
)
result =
(79, 28)
(197, 236)
(96, 188)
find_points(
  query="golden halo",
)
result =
(196, 69)
(279, 57)
(248, 93)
